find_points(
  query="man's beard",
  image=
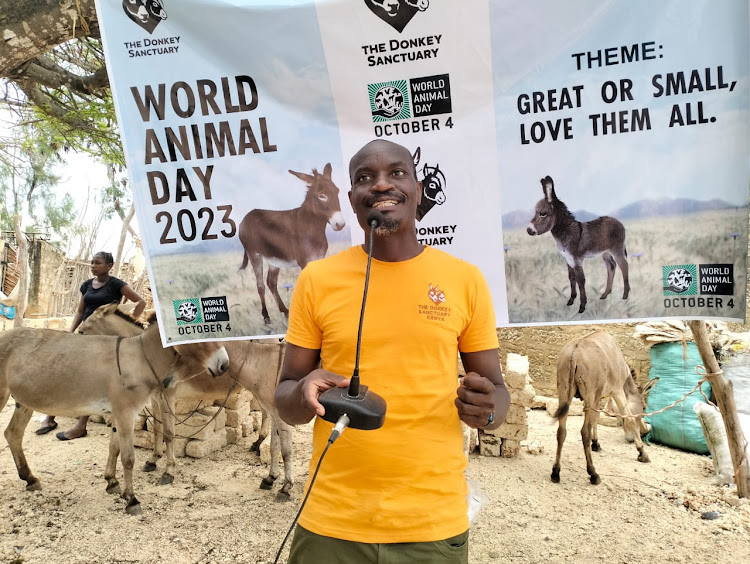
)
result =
(389, 226)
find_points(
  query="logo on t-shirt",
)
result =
(435, 309)
(436, 295)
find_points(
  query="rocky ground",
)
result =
(215, 513)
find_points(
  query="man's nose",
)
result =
(382, 184)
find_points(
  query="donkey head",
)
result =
(322, 198)
(433, 183)
(636, 396)
(544, 213)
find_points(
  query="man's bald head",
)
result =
(382, 145)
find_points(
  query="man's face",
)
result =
(383, 179)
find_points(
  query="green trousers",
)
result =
(309, 548)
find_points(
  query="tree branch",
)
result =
(45, 72)
(32, 27)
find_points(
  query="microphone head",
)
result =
(374, 219)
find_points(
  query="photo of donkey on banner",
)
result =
(577, 241)
(290, 238)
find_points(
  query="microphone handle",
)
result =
(354, 382)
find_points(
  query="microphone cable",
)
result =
(335, 434)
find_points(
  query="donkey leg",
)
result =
(267, 428)
(561, 434)
(273, 279)
(586, 432)
(572, 280)
(110, 471)
(273, 470)
(257, 261)
(622, 262)
(630, 425)
(609, 262)
(127, 457)
(14, 435)
(158, 415)
(581, 281)
(595, 446)
(265, 425)
(285, 441)
(168, 426)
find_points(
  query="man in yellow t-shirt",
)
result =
(398, 493)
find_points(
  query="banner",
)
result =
(590, 157)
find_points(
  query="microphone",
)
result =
(365, 409)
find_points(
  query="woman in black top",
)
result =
(100, 290)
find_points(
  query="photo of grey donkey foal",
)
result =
(578, 240)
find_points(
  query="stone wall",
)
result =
(199, 432)
(542, 344)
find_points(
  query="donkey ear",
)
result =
(327, 170)
(647, 388)
(417, 155)
(548, 187)
(306, 178)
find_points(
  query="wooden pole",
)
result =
(23, 272)
(724, 394)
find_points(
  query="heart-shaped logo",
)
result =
(396, 13)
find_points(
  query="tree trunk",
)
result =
(31, 27)
(123, 234)
(23, 272)
(724, 394)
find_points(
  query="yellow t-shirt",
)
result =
(405, 481)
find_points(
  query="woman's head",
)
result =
(101, 263)
(105, 256)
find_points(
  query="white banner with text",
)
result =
(591, 158)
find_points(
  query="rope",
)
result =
(700, 370)
(200, 427)
(163, 398)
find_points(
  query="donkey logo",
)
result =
(578, 240)
(146, 13)
(289, 238)
(397, 13)
(436, 295)
(433, 184)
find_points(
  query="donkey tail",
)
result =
(566, 384)
(244, 262)
(562, 410)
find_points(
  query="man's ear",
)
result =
(350, 202)
(419, 195)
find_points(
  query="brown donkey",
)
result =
(591, 367)
(255, 365)
(289, 238)
(578, 240)
(73, 375)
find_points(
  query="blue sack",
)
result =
(8, 311)
(678, 427)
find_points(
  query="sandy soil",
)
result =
(215, 513)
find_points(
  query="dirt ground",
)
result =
(215, 513)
